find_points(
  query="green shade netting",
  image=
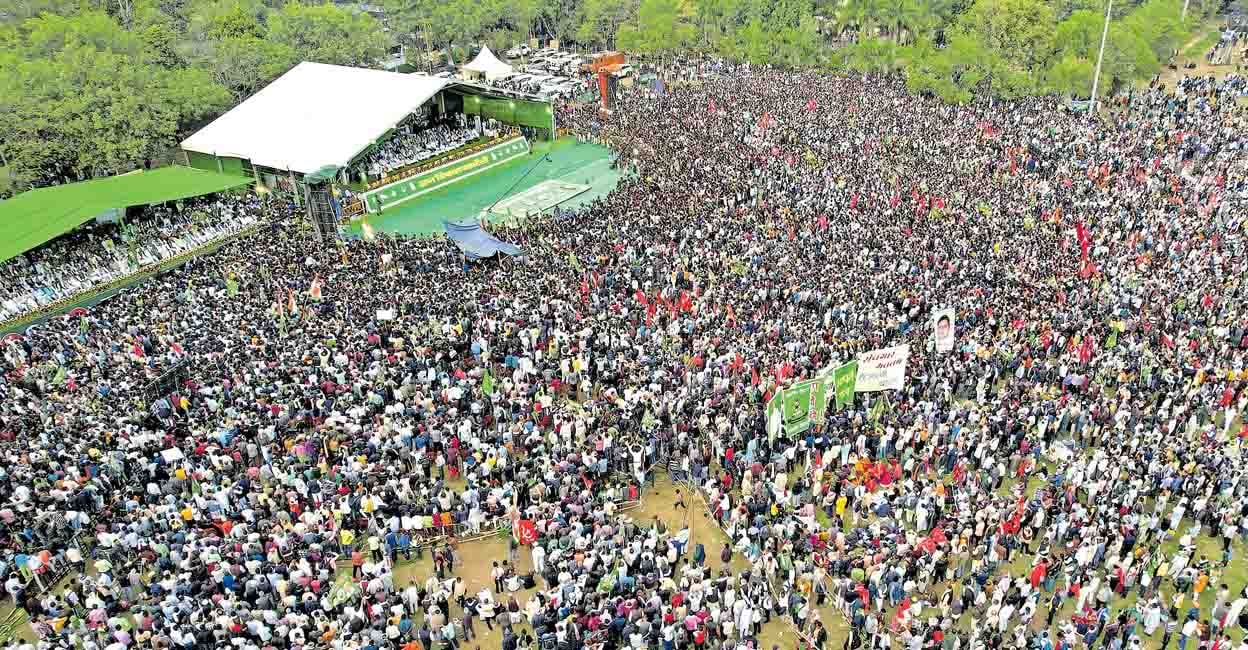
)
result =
(32, 218)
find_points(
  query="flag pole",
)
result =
(1096, 77)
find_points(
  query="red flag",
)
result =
(526, 532)
(853, 203)
(764, 121)
(892, 203)
(686, 302)
(641, 298)
(1085, 349)
(754, 378)
(738, 363)
(823, 222)
(810, 105)
(710, 108)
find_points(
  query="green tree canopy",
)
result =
(328, 34)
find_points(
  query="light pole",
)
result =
(1096, 76)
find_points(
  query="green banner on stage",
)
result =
(844, 377)
(443, 175)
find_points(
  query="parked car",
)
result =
(518, 51)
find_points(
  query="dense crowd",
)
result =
(90, 257)
(346, 406)
(414, 145)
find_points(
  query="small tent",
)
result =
(477, 243)
(486, 65)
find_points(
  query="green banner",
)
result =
(801, 405)
(411, 187)
(844, 377)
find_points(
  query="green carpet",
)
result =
(568, 160)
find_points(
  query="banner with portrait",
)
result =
(942, 329)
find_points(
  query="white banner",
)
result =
(882, 369)
(942, 328)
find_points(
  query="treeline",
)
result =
(96, 87)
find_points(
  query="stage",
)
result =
(566, 173)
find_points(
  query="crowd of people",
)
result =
(412, 145)
(1071, 473)
(98, 254)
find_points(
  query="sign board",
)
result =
(844, 378)
(883, 369)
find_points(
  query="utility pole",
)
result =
(1096, 76)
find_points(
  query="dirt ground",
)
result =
(1189, 53)
(657, 501)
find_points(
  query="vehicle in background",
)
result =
(518, 51)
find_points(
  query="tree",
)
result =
(81, 97)
(329, 34)
(1020, 32)
(600, 21)
(246, 64)
(1070, 75)
(658, 30)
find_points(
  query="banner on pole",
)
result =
(883, 369)
(942, 329)
(526, 532)
(796, 408)
(844, 378)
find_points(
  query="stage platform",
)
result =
(567, 162)
(537, 199)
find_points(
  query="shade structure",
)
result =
(32, 218)
(488, 65)
(476, 243)
(315, 116)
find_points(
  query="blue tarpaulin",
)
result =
(476, 243)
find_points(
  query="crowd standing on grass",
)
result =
(1070, 475)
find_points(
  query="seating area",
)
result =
(98, 254)
(411, 147)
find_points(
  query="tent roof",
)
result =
(476, 243)
(487, 63)
(315, 116)
(32, 218)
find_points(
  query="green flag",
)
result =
(231, 286)
(1112, 341)
(878, 409)
(487, 383)
(60, 376)
(576, 263)
(844, 377)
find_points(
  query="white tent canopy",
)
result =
(488, 65)
(315, 115)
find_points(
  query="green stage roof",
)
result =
(32, 218)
